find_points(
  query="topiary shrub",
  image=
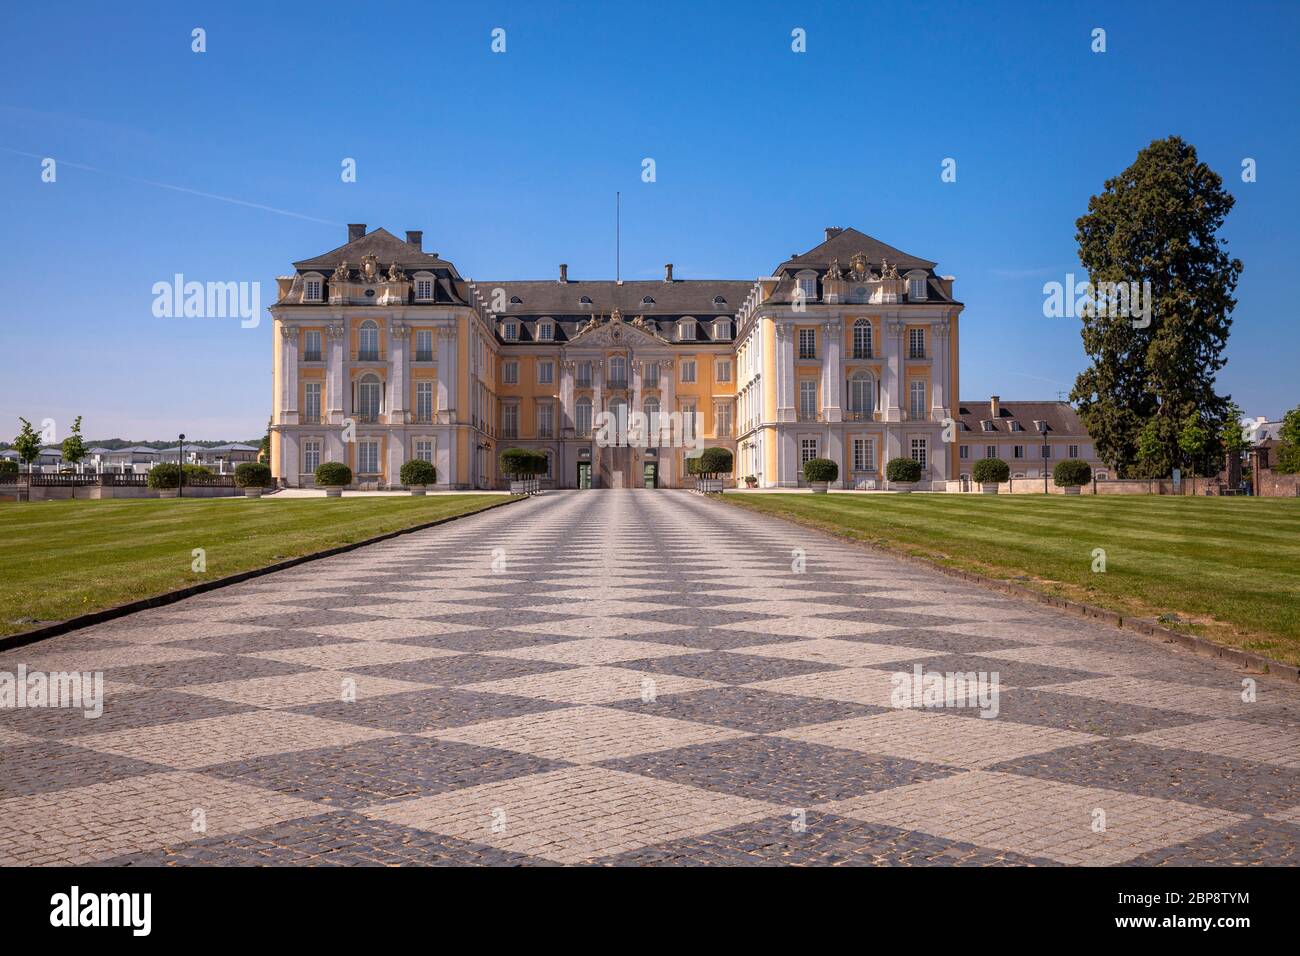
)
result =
(991, 471)
(1071, 473)
(903, 470)
(253, 474)
(820, 469)
(713, 462)
(165, 475)
(519, 463)
(417, 471)
(331, 474)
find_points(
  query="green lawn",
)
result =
(1228, 567)
(63, 558)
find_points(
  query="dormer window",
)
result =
(312, 289)
(722, 328)
(546, 331)
(647, 300)
(989, 426)
(686, 330)
(1017, 427)
(719, 301)
(515, 300)
(917, 286)
(510, 331)
(807, 282)
(423, 288)
(585, 300)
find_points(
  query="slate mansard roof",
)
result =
(1061, 418)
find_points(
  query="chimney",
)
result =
(833, 231)
(415, 237)
(994, 407)
(356, 230)
(668, 272)
(564, 272)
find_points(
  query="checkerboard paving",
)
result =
(637, 678)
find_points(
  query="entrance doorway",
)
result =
(651, 475)
(584, 474)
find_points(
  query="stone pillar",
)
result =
(833, 370)
(597, 388)
(288, 375)
(893, 370)
(399, 359)
(668, 395)
(564, 427)
(335, 376)
(785, 410)
(939, 371)
(446, 376)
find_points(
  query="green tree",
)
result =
(28, 443)
(1233, 436)
(74, 449)
(1194, 441)
(1156, 222)
(264, 453)
(1288, 450)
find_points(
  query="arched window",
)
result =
(862, 339)
(583, 415)
(368, 342)
(862, 394)
(369, 395)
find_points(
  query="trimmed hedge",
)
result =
(520, 463)
(253, 474)
(332, 474)
(820, 469)
(903, 470)
(8, 467)
(417, 471)
(710, 463)
(991, 470)
(167, 475)
(1071, 473)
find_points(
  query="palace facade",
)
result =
(384, 352)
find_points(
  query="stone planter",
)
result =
(169, 492)
(819, 487)
(1071, 489)
(989, 487)
(417, 490)
(902, 487)
(333, 492)
(528, 486)
(252, 492)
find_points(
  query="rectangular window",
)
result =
(545, 420)
(989, 426)
(510, 332)
(545, 373)
(424, 401)
(583, 418)
(368, 457)
(808, 289)
(916, 401)
(722, 420)
(509, 373)
(509, 420)
(1018, 451)
(688, 371)
(424, 345)
(1017, 427)
(313, 287)
(807, 450)
(807, 343)
(990, 451)
(864, 454)
(920, 451)
(584, 375)
(916, 289)
(1047, 451)
(423, 289)
(1074, 451)
(808, 399)
(545, 332)
(963, 452)
(310, 456)
(424, 450)
(724, 370)
(650, 376)
(311, 401)
(311, 346)
(916, 343)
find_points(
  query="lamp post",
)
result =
(1042, 451)
(180, 468)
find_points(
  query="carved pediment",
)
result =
(607, 334)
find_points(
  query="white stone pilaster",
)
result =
(832, 370)
(335, 376)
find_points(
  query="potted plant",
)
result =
(903, 474)
(989, 473)
(751, 481)
(254, 477)
(522, 466)
(1071, 474)
(165, 478)
(820, 472)
(333, 476)
(707, 466)
(417, 474)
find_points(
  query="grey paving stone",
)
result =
(749, 709)
(423, 711)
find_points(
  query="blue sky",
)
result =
(509, 163)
